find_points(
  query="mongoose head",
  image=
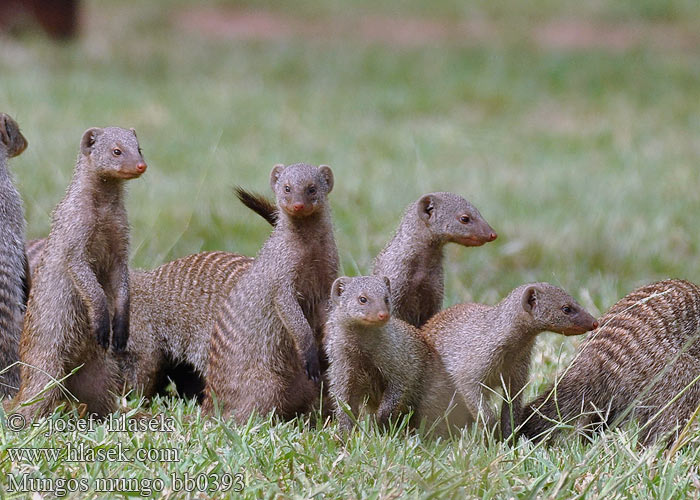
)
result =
(113, 152)
(364, 300)
(452, 219)
(10, 137)
(554, 310)
(301, 189)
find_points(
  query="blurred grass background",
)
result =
(573, 126)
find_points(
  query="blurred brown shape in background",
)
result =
(58, 18)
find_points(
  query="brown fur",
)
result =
(14, 278)
(412, 260)
(376, 362)
(645, 353)
(81, 292)
(173, 308)
(173, 311)
(264, 352)
(490, 346)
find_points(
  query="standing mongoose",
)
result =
(173, 308)
(490, 346)
(14, 273)
(80, 295)
(645, 353)
(264, 351)
(374, 359)
(412, 260)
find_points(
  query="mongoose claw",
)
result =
(120, 333)
(313, 368)
(102, 332)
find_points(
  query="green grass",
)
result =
(585, 161)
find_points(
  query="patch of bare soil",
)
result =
(567, 34)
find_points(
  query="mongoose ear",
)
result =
(529, 299)
(327, 174)
(11, 136)
(338, 288)
(387, 282)
(275, 175)
(426, 207)
(133, 131)
(88, 140)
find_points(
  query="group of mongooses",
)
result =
(283, 333)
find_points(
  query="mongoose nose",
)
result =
(595, 325)
(298, 207)
(492, 236)
(141, 167)
(382, 315)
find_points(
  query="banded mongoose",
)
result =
(412, 260)
(80, 295)
(264, 352)
(374, 359)
(14, 273)
(173, 308)
(645, 353)
(490, 346)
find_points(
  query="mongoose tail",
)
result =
(258, 204)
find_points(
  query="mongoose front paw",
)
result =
(120, 332)
(102, 331)
(312, 366)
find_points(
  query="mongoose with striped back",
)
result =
(80, 294)
(173, 308)
(645, 353)
(264, 351)
(490, 346)
(412, 260)
(374, 359)
(14, 273)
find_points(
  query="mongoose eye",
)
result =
(140, 152)
(116, 151)
(567, 309)
(312, 190)
(386, 300)
(464, 219)
(287, 189)
(362, 299)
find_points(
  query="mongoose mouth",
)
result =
(579, 330)
(132, 173)
(299, 212)
(374, 320)
(472, 241)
